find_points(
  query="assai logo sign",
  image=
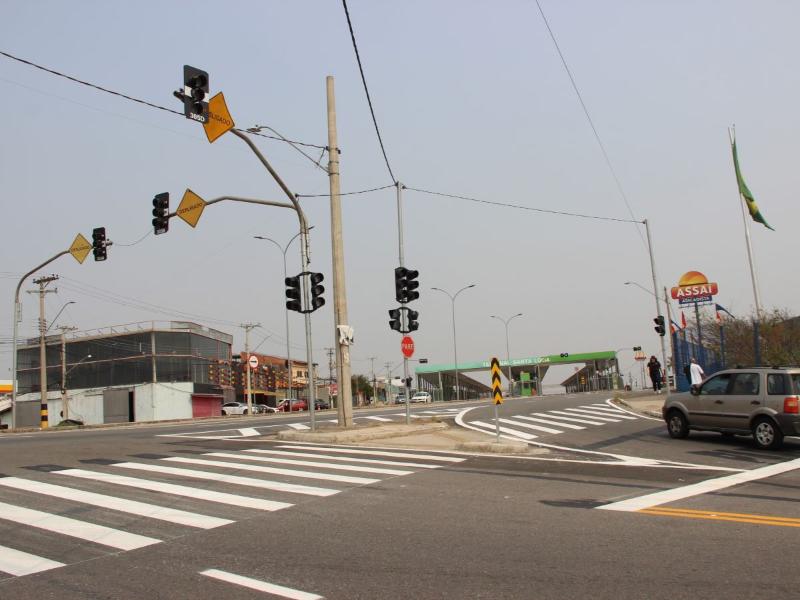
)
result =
(694, 288)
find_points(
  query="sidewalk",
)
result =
(645, 402)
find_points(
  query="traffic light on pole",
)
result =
(160, 213)
(293, 293)
(412, 324)
(317, 289)
(395, 320)
(405, 285)
(195, 94)
(660, 328)
(99, 243)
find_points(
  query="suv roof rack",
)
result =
(776, 367)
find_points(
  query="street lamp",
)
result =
(58, 314)
(508, 354)
(283, 250)
(453, 303)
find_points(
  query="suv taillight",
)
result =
(791, 405)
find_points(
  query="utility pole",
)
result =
(247, 327)
(329, 352)
(388, 366)
(42, 283)
(655, 294)
(372, 360)
(64, 402)
(344, 392)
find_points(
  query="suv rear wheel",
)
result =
(766, 434)
(677, 425)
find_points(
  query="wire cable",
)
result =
(141, 239)
(385, 187)
(366, 90)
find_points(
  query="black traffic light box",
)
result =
(317, 289)
(99, 243)
(395, 319)
(195, 94)
(160, 213)
(405, 285)
(660, 327)
(293, 294)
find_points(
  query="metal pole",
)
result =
(455, 346)
(64, 407)
(722, 343)
(401, 261)
(43, 416)
(247, 327)
(655, 294)
(344, 384)
(496, 424)
(289, 373)
(671, 343)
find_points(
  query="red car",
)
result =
(297, 404)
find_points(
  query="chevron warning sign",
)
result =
(497, 392)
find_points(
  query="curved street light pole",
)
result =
(508, 354)
(455, 347)
(58, 314)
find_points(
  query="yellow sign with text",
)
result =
(191, 207)
(497, 391)
(80, 248)
(220, 120)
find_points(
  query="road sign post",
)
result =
(407, 348)
(497, 393)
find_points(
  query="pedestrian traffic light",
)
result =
(99, 243)
(395, 319)
(412, 323)
(293, 293)
(195, 92)
(660, 328)
(317, 289)
(160, 213)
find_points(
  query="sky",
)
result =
(471, 99)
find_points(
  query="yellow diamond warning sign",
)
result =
(191, 207)
(80, 248)
(497, 392)
(219, 119)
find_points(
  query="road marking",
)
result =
(607, 410)
(299, 426)
(260, 586)
(722, 516)
(273, 471)
(178, 490)
(635, 414)
(90, 532)
(568, 417)
(451, 459)
(585, 413)
(15, 562)
(703, 487)
(309, 463)
(508, 430)
(371, 461)
(249, 432)
(133, 507)
(549, 422)
(527, 425)
(376, 418)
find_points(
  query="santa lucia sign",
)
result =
(694, 288)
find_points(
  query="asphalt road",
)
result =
(206, 511)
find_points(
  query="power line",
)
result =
(521, 207)
(366, 89)
(385, 187)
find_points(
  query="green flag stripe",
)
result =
(752, 207)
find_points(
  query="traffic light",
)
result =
(317, 289)
(160, 212)
(660, 328)
(564, 354)
(195, 92)
(637, 348)
(412, 323)
(405, 285)
(395, 319)
(293, 293)
(99, 243)
(411, 285)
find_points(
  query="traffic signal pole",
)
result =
(403, 314)
(658, 304)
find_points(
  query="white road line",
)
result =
(703, 487)
(19, 563)
(557, 414)
(529, 426)
(309, 463)
(260, 586)
(608, 410)
(371, 461)
(550, 422)
(114, 538)
(286, 487)
(178, 490)
(509, 431)
(249, 432)
(451, 459)
(585, 413)
(604, 413)
(376, 418)
(641, 416)
(299, 426)
(133, 507)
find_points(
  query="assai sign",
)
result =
(694, 288)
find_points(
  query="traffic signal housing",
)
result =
(195, 94)
(317, 289)
(411, 322)
(395, 319)
(99, 243)
(293, 294)
(161, 213)
(405, 285)
(660, 326)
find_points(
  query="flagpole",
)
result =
(671, 343)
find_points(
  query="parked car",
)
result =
(760, 401)
(321, 404)
(234, 408)
(400, 399)
(264, 409)
(297, 404)
(424, 397)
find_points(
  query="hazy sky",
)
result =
(471, 98)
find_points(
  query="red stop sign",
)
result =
(407, 346)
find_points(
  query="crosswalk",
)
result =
(553, 422)
(118, 506)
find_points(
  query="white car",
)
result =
(234, 408)
(424, 397)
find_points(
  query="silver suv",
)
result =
(762, 401)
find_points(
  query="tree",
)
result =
(361, 385)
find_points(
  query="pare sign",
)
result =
(693, 287)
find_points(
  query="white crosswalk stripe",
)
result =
(377, 418)
(309, 463)
(344, 458)
(299, 426)
(436, 457)
(550, 422)
(506, 430)
(581, 412)
(604, 413)
(517, 423)
(607, 409)
(17, 563)
(558, 414)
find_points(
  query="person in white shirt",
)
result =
(696, 372)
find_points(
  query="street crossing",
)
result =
(555, 422)
(111, 506)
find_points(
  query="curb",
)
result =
(642, 411)
(360, 435)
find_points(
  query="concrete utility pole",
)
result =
(344, 406)
(329, 352)
(247, 327)
(64, 402)
(655, 295)
(42, 283)
(388, 366)
(372, 360)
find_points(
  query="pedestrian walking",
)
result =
(654, 368)
(696, 372)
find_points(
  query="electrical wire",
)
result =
(391, 185)
(366, 90)
(255, 129)
(141, 239)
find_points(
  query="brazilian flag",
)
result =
(752, 207)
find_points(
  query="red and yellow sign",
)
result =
(694, 287)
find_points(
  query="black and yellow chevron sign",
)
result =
(497, 392)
